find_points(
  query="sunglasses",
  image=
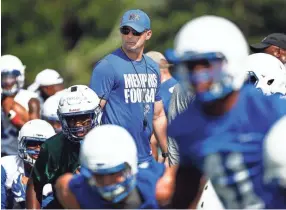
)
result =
(126, 31)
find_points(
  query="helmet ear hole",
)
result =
(269, 82)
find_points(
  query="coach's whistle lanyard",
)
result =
(143, 93)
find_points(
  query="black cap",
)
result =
(276, 39)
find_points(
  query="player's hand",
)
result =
(165, 187)
(16, 113)
(19, 188)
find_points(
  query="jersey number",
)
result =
(231, 180)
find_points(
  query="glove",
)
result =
(19, 189)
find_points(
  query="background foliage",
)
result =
(71, 35)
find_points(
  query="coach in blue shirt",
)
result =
(128, 82)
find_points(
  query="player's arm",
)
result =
(102, 81)
(154, 146)
(64, 194)
(37, 180)
(160, 125)
(34, 109)
(16, 113)
(186, 187)
(3, 188)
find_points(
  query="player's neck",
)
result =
(27, 168)
(134, 55)
(222, 106)
(165, 77)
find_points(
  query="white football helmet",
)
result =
(267, 73)
(33, 133)
(50, 108)
(212, 38)
(109, 149)
(12, 74)
(78, 101)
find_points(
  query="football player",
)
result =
(18, 105)
(47, 83)
(267, 74)
(78, 111)
(227, 139)
(17, 168)
(109, 176)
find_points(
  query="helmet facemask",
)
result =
(29, 148)
(76, 125)
(10, 83)
(205, 75)
(113, 184)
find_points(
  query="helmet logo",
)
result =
(134, 17)
(74, 110)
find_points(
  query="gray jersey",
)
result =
(178, 103)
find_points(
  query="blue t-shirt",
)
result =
(146, 180)
(229, 148)
(166, 91)
(130, 95)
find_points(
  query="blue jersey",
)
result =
(229, 149)
(166, 91)
(130, 88)
(13, 190)
(146, 180)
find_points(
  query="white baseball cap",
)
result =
(46, 77)
(157, 57)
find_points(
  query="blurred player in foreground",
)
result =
(227, 141)
(109, 176)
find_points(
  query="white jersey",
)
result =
(14, 167)
(209, 198)
(9, 133)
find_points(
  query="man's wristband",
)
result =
(14, 117)
(165, 154)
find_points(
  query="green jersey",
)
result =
(58, 156)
